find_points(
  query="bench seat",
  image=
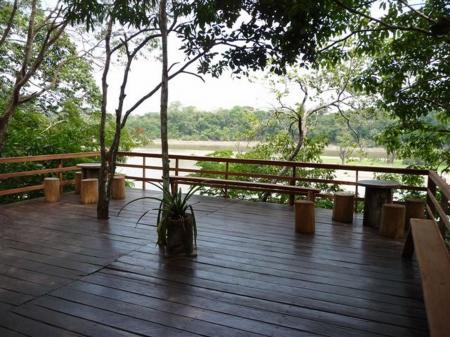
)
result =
(434, 263)
(247, 185)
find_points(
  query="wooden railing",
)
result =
(437, 190)
(438, 209)
(58, 170)
(291, 179)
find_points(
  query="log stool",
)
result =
(78, 178)
(52, 189)
(118, 187)
(89, 191)
(415, 208)
(343, 207)
(392, 221)
(305, 217)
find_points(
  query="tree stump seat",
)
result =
(392, 221)
(305, 217)
(118, 187)
(415, 208)
(343, 207)
(52, 189)
(89, 191)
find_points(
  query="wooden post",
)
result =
(143, 173)
(78, 177)
(226, 178)
(305, 217)
(89, 191)
(343, 207)
(176, 166)
(118, 187)
(61, 176)
(431, 189)
(52, 189)
(292, 183)
(356, 191)
(392, 221)
(415, 208)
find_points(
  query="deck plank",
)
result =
(68, 274)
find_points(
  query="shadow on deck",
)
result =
(64, 273)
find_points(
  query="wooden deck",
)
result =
(64, 273)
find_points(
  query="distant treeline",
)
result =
(244, 123)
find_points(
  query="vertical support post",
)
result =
(176, 166)
(292, 183)
(444, 206)
(61, 176)
(226, 178)
(356, 190)
(431, 189)
(143, 172)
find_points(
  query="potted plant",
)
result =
(176, 224)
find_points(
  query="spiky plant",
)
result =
(173, 206)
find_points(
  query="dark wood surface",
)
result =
(433, 258)
(64, 273)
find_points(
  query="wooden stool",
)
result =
(392, 221)
(78, 178)
(415, 208)
(343, 207)
(118, 187)
(89, 191)
(305, 217)
(52, 189)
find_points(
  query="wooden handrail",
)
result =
(380, 169)
(228, 173)
(45, 157)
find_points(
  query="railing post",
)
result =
(226, 178)
(61, 176)
(444, 206)
(356, 190)
(176, 166)
(143, 172)
(431, 189)
(292, 183)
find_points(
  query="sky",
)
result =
(212, 94)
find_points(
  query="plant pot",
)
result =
(180, 236)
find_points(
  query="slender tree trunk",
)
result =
(164, 95)
(302, 131)
(104, 174)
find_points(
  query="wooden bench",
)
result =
(245, 185)
(433, 257)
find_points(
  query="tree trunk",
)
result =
(4, 121)
(164, 95)
(105, 170)
(302, 130)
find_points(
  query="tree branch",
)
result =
(381, 22)
(9, 23)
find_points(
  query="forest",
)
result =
(247, 123)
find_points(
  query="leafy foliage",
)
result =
(32, 132)
(276, 148)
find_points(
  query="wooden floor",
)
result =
(64, 273)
